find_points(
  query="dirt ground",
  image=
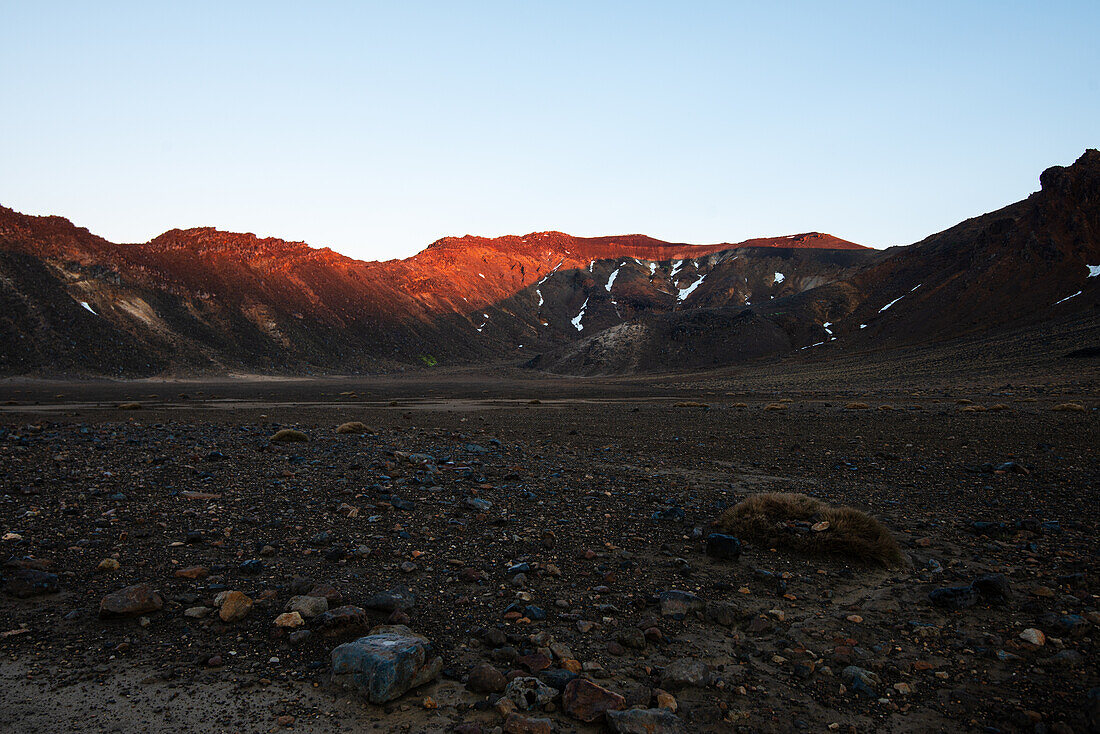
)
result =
(586, 480)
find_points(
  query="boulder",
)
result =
(678, 604)
(130, 602)
(529, 693)
(584, 700)
(342, 620)
(395, 599)
(725, 547)
(235, 606)
(307, 606)
(289, 620)
(684, 673)
(485, 678)
(386, 663)
(24, 583)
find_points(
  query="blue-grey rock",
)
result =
(861, 681)
(529, 693)
(726, 547)
(386, 663)
(685, 673)
(669, 514)
(397, 598)
(557, 678)
(476, 503)
(252, 567)
(954, 597)
(678, 604)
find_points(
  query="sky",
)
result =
(377, 128)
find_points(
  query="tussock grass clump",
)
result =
(289, 435)
(352, 427)
(690, 404)
(739, 405)
(129, 406)
(1070, 407)
(534, 401)
(775, 406)
(806, 525)
(972, 409)
(963, 401)
(857, 406)
(997, 407)
(886, 407)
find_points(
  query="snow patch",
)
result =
(547, 276)
(779, 278)
(1094, 271)
(611, 280)
(1068, 297)
(481, 274)
(85, 305)
(685, 292)
(863, 326)
(577, 321)
(891, 304)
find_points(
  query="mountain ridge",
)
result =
(204, 300)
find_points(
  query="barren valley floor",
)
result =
(541, 523)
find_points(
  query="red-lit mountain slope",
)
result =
(202, 299)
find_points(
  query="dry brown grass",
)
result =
(972, 409)
(289, 435)
(129, 406)
(775, 406)
(886, 407)
(1071, 407)
(353, 427)
(739, 405)
(767, 520)
(963, 401)
(997, 407)
(857, 406)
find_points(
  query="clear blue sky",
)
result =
(377, 128)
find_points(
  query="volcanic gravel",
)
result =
(538, 536)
